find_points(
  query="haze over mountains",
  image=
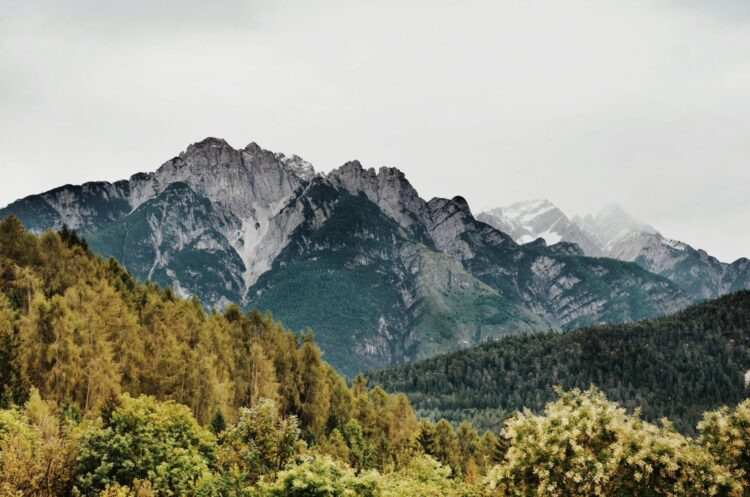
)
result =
(381, 275)
(614, 233)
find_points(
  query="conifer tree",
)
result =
(315, 403)
(218, 422)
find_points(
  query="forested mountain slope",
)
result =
(81, 330)
(676, 367)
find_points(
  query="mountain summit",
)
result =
(381, 275)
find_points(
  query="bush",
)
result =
(726, 434)
(320, 476)
(585, 445)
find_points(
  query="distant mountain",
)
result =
(381, 275)
(676, 367)
(610, 225)
(614, 233)
(527, 221)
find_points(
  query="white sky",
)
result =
(645, 103)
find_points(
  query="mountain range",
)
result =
(614, 233)
(381, 275)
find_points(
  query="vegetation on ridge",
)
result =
(115, 388)
(677, 367)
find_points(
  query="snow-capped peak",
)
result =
(539, 218)
(526, 211)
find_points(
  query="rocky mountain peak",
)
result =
(614, 233)
(462, 204)
(208, 148)
(388, 188)
(296, 164)
(253, 148)
(260, 228)
(241, 180)
(210, 141)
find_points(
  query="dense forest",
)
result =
(115, 388)
(675, 367)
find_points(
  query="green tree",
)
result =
(218, 422)
(315, 399)
(145, 440)
(13, 386)
(423, 476)
(355, 440)
(336, 446)
(260, 443)
(446, 446)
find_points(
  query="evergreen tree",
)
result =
(218, 422)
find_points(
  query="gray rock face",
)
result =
(252, 184)
(242, 181)
(614, 233)
(737, 275)
(388, 189)
(380, 274)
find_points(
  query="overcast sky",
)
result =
(644, 103)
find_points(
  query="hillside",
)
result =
(115, 388)
(676, 367)
(81, 332)
(381, 275)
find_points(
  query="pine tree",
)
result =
(500, 449)
(218, 422)
(426, 438)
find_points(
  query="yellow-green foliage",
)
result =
(320, 476)
(132, 378)
(36, 450)
(423, 477)
(726, 434)
(260, 443)
(584, 445)
(81, 330)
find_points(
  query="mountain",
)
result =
(614, 233)
(609, 225)
(527, 221)
(381, 275)
(676, 366)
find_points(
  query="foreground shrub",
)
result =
(726, 434)
(320, 476)
(423, 476)
(584, 445)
